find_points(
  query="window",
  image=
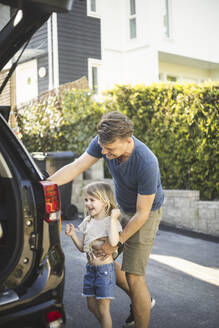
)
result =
(132, 7)
(92, 8)
(93, 5)
(132, 19)
(166, 18)
(93, 74)
(132, 26)
(163, 77)
(94, 79)
(171, 78)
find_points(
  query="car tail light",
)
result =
(52, 201)
(55, 319)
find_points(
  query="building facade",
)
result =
(63, 50)
(120, 42)
(145, 41)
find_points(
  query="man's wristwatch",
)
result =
(119, 244)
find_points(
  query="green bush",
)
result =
(59, 124)
(180, 123)
(81, 113)
(39, 124)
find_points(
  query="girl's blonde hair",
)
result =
(103, 192)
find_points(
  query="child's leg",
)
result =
(103, 306)
(93, 307)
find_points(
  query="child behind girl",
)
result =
(101, 221)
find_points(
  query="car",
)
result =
(32, 264)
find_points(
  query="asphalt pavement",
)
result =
(182, 275)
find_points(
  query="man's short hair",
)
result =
(114, 125)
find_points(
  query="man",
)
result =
(139, 194)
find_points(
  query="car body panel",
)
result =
(45, 5)
(32, 267)
(35, 268)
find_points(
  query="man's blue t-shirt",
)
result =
(140, 174)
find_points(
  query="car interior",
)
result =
(8, 218)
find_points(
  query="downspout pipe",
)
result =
(50, 54)
(55, 50)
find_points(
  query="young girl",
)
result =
(101, 221)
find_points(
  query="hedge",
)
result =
(180, 123)
(60, 123)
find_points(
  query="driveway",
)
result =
(182, 275)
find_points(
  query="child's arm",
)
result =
(114, 234)
(70, 231)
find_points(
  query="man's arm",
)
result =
(70, 171)
(114, 233)
(143, 208)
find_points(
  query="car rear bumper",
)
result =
(44, 295)
(31, 315)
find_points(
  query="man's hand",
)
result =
(104, 250)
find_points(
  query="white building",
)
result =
(145, 41)
(118, 42)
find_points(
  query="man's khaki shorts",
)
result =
(137, 248)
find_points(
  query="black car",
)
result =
(31, 258)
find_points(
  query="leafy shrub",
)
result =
(59, 124)
(180, 123)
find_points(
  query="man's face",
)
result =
(115, 149)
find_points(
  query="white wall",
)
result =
(112, 23)
(111, 69)
(194, 28)
(26, 81)
(194, 25)
(124, 61)
(123, 68)
(141, 66)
